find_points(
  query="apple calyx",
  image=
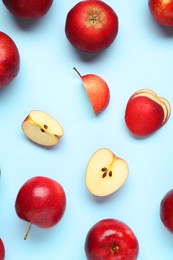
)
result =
(105, 173)
(97, 90)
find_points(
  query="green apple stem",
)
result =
(27, 232)
(77, 72)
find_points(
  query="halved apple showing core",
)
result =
(105, 173)
(42, 128)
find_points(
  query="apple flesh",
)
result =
(2, 250)
(9, 60)
(111, 239)
(146, 112)
(91, 26)
(162, 11)
(105, 173)
(97, 90)
(41, 201)
(28, 8)
(166, 210)
(42, 128)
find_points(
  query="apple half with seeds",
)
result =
(105, 173)
(42, 128)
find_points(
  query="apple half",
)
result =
(105, 173)
(42, 128)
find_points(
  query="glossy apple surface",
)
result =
(162, 11)
(91, 26)
(111, 239)
(166, 210)
(146, 112)
(28, 8)
(2, 250)
(41, 201)
(97, 90)
(9, 60)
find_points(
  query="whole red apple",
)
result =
(9, 60)
(2, 250)
(166, 210)
(41, 201)
(28, 8)
(91, 26)
(111, 239)
(162, 11)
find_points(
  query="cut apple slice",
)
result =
(146, 112)
(42, 128)
(105, 173)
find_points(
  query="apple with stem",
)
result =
(41, 201)
(111, 239)
(166, 210)
(97, 90)
(42, 128)
(91, 26)
(2, 250)
(28, 8)
(9, 60)
(105, 173)
(162, 11)
(146, 112)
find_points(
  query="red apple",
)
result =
(162, 11)
(97, 91)
(166, 210)
(2, 250)
(41, 201)
(91, 26)
(9, 60)
(146, 112)
(28, 8)
(111, 239)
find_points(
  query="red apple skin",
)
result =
(98, 92)
(2, 250)
(166, 210)
(91, 26)
(9, 60)
(41, 201)
(143, 116)
(162, 11)
(28, 8)
(111, 239)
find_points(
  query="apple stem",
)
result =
(27, 232)
(77, 72)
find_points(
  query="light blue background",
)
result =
(141, 57)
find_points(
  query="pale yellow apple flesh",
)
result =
(42, 128)
(105, 173)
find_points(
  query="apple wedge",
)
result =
(97, 90)
(105, 173)
(42, 128)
